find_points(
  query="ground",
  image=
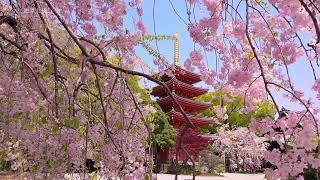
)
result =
(226, 176)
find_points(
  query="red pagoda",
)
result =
(180, 82)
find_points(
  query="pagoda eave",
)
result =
(180, 88)
(181, 74)
(178, 119)
(188, 105)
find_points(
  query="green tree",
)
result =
(163, 132)
(237, 117)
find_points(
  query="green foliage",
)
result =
(150, 38)
(150, 50)
(210, 159)
(55, 128)
(145, 41)
(164, 134)
(236, 119)
(171, 168)
(5, 165)
(310, 173)
(43, 120)
(210, 129)
(219, 168)
(146, 177)
(184, 169)
(236, 116)
(263, 110)
(94, 175)
(133, 83)
(72, 123)
(199, 169)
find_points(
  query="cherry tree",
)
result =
(66, 64)
(241, 146)
(257, 43)
(64, 88)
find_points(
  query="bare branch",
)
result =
(314, 19)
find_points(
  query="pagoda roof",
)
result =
(178, 87)
(178, 119)
(189, 105)
(181, 74)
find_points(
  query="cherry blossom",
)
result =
(65, 96)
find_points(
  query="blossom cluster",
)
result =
(296, 137)
(240, 145)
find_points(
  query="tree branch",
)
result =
(257, 58)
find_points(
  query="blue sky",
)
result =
(167, 23)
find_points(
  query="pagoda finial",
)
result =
(176, 49)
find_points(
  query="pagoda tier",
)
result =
(180, 74)
(177, 119)
(180, 83)
(178, 87)
(188, 105)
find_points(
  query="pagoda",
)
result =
(181, 84)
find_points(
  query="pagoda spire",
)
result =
(176, 49)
